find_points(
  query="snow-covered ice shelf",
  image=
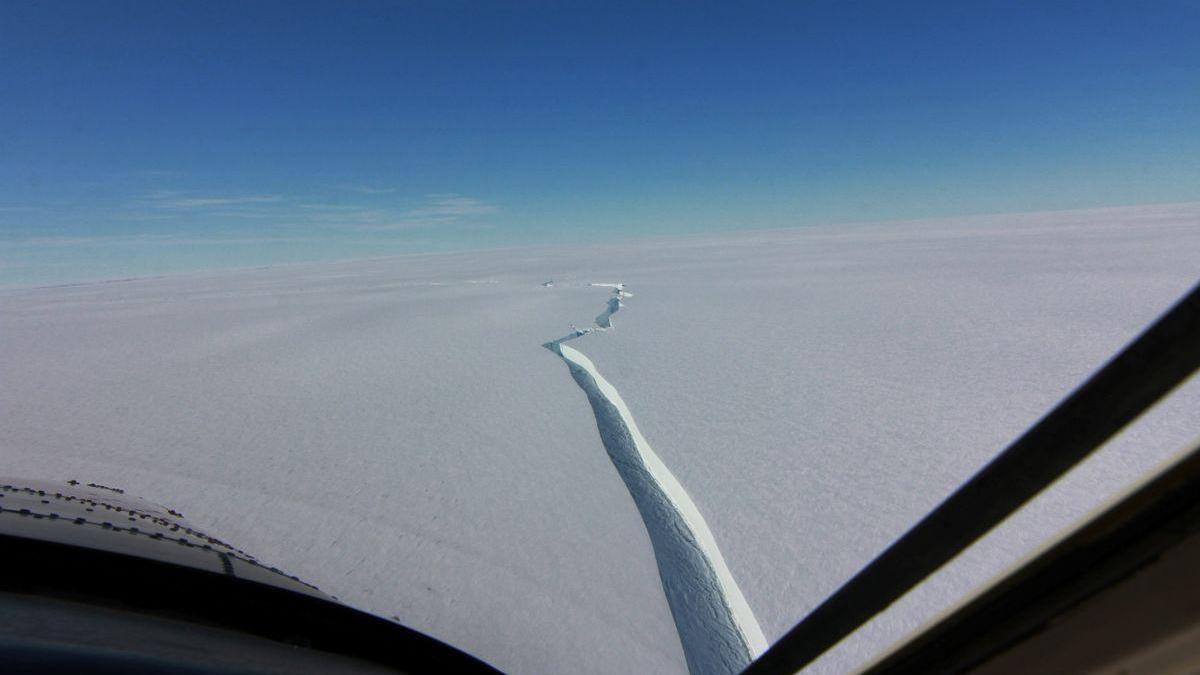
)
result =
(393, 431)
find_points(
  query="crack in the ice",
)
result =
(717, 629)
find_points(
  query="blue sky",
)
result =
(149, 137)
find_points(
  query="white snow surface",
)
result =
(409, 448)
(393, 431)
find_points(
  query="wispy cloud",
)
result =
(179, 239)
(157, 173)
(204, 202)
(183, 200)
(250, 212)
(368, 189)
(434, 210)
(329, 207)
(451, 205)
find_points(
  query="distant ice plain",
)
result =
(392, 430)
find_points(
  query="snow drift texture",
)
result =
(394, 432)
